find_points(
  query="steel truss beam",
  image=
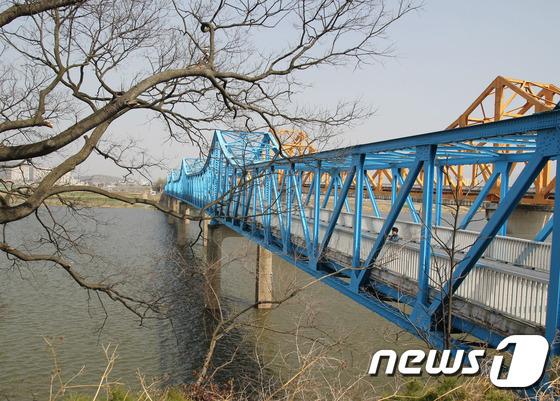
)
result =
(248, 185)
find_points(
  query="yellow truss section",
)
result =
(294, 143)
(505, 98)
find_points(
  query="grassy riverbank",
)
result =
(88, 199)
(444, 389)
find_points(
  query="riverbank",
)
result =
(444, 389)
(89, 199)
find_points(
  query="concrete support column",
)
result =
(205, 224)
(168, 204)
(183, 224)
(213, 269)
(263, 291)
(173, 205)
(187, 212)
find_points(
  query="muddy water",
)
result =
(41, 303)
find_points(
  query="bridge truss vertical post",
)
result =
(287, 245)
(428, 155)
(439, 195)
(505, 169)
(229, 189)
(297, 184)
(237, 177)
(268, 184)
(254, 190)
(553, 305)
(217, 179)
(223, 191)
(396, 172)
(358, 210)
(315, 256)
(246, 188)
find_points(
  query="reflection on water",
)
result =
(138, 249)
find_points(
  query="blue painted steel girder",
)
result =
(252, 164)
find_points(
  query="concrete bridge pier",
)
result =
(213, 274)
(263, 288)
(172, 204)
(169, 204)
(205, 224)
(183, 224)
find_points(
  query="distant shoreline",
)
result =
(88, 199)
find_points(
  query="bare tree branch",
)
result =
(32, 8)
(71, 68)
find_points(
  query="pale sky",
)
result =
(446, 55)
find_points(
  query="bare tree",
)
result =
(18, 10)
(443, 271)
(319, 359)
(70, 69)
(451, 250)
(447, 250)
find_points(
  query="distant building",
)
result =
(17, 175)
(28, 174)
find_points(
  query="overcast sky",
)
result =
(447, 54)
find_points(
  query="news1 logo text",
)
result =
(527, 365)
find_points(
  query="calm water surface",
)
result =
(138, 248)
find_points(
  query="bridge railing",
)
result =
(516, 251)
(521, 296)
(508, 290)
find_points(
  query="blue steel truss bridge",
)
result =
(319, 212)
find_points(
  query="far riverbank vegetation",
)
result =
(89, 199)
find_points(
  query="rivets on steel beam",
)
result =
(548, 142)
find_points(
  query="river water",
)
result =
(137, 248)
